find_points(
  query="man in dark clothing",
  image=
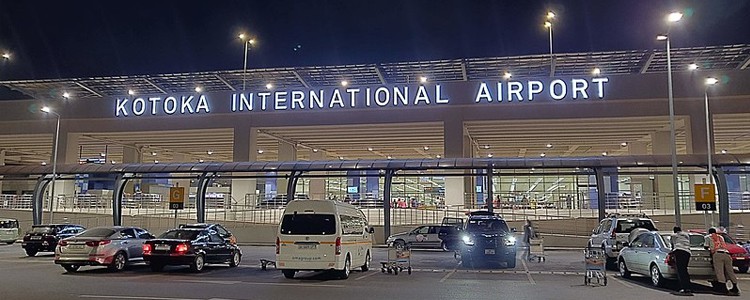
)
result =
(681, 251)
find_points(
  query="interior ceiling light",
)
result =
(198, 89)
(269, 86)
(426, 148)
(486, 146)
(209, 152)
(260, 151)
(438, 156)
(543, 154)
(423, 79)
(549, 145)
(604, 153)
(369, 149)
(153, 153)
(315, 150)
(624, 144)
(489, 155)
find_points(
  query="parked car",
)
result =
(487, 239)
(647, 255)
(44, 238)
(614, 230)
(740, 256)
(114, 247)
(8, 230)
(218, 228)
(280, 201)
(427, 236)
(190, 246)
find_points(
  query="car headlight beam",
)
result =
(467, 240)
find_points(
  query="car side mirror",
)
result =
(371, 230)
(513, 229)
(625, 244)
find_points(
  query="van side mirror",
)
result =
(371, 230)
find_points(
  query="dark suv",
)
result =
(44, 238)
(486, 238)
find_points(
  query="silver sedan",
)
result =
(647, 255)
(113, 247)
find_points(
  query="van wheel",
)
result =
(289, 274)
(344, 274)
(366, 266)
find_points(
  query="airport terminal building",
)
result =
(583, 107)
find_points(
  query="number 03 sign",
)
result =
(176, 198)
(705, 197)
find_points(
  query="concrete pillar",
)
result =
(287, 152)
(244, 149)
(663, 186)
(696, 132)
(641, 185)
(454, 144)
(130, 155)
(318, 185)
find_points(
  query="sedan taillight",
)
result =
(97, 243)
(147, 249)
(63, 243)
(181, 248)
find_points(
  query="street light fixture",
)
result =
(48, 110)
(66, 95)
(6, 55)
(710, 81)
(548, 25)
(248, 42)
(672, 18)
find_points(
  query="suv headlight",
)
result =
(510, 241)
(467, 240)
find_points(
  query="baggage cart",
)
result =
(536, 249)
(595, 266)
(399, 259)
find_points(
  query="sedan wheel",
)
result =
(71, 268)
(656, 278)
(118, 262)
(236, 258)
(624, 272)
(198, 264)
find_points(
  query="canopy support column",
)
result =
(200, 198)
(291, 185)
(117, 194)
(387, 203)
(721, 185)
(38, 200)
(490, 204)
(601, 193)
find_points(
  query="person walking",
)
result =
(722, 262)
(681, 250)
(528, 234)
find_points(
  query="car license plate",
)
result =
(36, 237)
(162, 247)
(78, 247)
(308, 246)
(489, 251)
(701, 259)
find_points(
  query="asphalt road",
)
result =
(436, 276)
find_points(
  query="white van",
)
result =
(316, 235)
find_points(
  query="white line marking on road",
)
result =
(132, 297)
(526, 268)
(365, 276)
(210, 281)
(628, 285)
(297, 284)
(447, 275)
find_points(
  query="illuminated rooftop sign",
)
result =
(330, 99)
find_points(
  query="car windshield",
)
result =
(727, 239)
(180, 234)
(487, 225)
(97, 232)
(8, 224)
(626, 226)
(42, 229)
(308, 224)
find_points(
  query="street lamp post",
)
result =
(48, 110)
(709, 151)
(671, 18)
(548, 25)
(248, 42)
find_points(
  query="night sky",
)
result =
(60, 39)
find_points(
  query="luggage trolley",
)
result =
(536, 249)
(595, 264)
(399, 259)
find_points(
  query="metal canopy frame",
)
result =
(566, 64)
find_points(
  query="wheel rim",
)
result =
(445, 246)
(199, 263)
(623, 270)
(367, 261)
(236, 258)
(120, 262)
(655, 275)
(347, 266)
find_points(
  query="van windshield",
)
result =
(308, 224)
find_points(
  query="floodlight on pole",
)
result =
(248, 43)
(48, 110)
(6, 55)
(710, 81)
(672, 18)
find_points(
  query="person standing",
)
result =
(722, 262)
(681, 250)
(528, 234)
